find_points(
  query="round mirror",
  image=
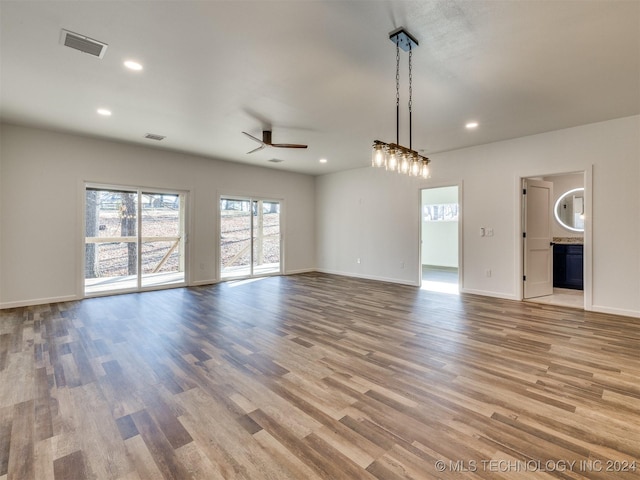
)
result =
(569, 210)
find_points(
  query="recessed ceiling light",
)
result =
(131, 65)
(471, 125)
(323, 160)
(104, 112)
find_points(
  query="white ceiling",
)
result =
(319, 72)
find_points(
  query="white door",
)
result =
(538, 254)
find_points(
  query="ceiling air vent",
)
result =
(275, 160)
(153, 136)
(83, 43)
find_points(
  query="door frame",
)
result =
(251, 198)
(460, 232)
(588, 233)
(186, 195)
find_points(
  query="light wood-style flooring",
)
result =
(316, 376)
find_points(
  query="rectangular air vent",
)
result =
(275, 160)
(83, 43)
(153, 136)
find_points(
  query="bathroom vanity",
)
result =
(567, 265)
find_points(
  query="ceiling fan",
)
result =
(266, 142)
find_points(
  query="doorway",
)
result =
(250, 237)
(440, 233)
(555, 233)
(134, 239)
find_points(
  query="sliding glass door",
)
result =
(162, 239)
(134, 239)
(250, 237)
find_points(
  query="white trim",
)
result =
(587, 236)
(281, 226)
(186, 196)
(82, 229)
(519, 240)
(485, 293)
(299, 271)
(199, 283)
(460, 236)
(615, 311)
(459, 185)
(369, 277)
(39, 301)
(588, 239)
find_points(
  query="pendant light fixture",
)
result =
(393, 156)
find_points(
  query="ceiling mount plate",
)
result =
(403, 39)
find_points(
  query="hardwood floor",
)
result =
(316, 376)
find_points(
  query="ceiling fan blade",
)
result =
(254, 138)
(259, 148)
(288, 145)
(266, 142)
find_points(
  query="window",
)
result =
(134, 239)
(446, 212)
(250, 239)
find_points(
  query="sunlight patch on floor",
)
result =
(441, 287)
(237, 283)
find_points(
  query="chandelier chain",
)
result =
(410, 79)
(393, 156)
(397, 75)
(397, 92)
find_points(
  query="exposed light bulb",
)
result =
(404, 164)
(377, 159)
(392, 163)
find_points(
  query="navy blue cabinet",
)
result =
(568, 266)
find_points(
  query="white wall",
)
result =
(41, 188)
(1, 211)
(440, 239)
(369, 213)
(365, 214)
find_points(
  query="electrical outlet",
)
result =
(358, 260)
(488, 272)
(489, 232)
(401, 264)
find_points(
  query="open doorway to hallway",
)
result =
(440, 214)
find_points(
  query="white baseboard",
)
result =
(39, 301)
(615, 311)
(199, 283)
(301, 270)
(486, 293)
(369, 277)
